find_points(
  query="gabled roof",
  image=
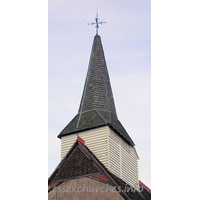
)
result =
(97, 107)
(81, 162)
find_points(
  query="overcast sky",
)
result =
(174, 92)
(126, 39)
(175, 84)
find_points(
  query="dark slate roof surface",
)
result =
(97, 107)
(93, 119)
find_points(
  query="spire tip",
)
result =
(97, 22)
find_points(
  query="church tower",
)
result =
(98, 125)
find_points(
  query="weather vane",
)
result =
(96, 23)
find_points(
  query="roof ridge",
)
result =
(101, 116)
(147, 188)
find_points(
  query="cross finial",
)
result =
(96, 23)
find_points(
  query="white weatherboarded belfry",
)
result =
(98, 125)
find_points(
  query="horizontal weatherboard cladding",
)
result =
(92, 138)
(130, 164)
(123, 159)
(66, 144)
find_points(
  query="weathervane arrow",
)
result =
(96, 23)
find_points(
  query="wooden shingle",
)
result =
(97, 107)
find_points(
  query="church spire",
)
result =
(97, 107)
(97, 93)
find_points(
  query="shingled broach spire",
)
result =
(97, 107)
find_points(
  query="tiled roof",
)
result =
(74, 164)
(97, 107)
(81, 162)
(145, 190)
